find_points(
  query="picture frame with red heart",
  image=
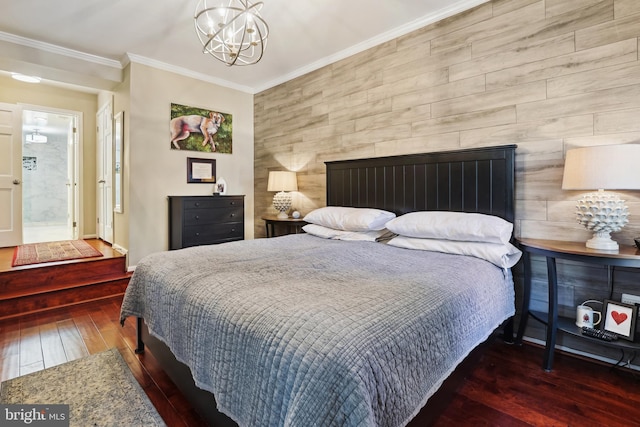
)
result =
(620, 318)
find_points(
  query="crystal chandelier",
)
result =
(232, 31)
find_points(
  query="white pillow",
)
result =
(349, 219)
(330, 233)
(320, 231)
(503, 255)
(460, 226)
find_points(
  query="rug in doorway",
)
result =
(99, 389)
(37, 253)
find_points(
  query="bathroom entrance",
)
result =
(50, 174)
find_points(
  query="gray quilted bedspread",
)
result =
(302, 331)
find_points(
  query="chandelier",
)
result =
(232, 31)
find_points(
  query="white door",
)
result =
(104, 168)
(10, 175)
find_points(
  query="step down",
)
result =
(46, 287)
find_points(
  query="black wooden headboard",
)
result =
(473, 180)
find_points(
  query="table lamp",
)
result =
(282, 181)
(603, 167)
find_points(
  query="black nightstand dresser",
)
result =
(205, 220)
(290, 225)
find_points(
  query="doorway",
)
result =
(50, 171)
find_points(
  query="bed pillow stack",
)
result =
(473, 234)
(347, 223)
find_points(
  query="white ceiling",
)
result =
(304, 34)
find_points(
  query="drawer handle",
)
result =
(197, 234)
(197, 217)
(197, 204)
(233, 230)
(233, 203)
(232, 215)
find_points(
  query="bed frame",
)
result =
(477, 180)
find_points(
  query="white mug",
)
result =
(584, 316)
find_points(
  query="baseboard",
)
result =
(119, 248)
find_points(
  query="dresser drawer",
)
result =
(212, 216)
(213, 202)
(197, 235)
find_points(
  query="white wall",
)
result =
(156, 171)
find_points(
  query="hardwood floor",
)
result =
(510, 388)
(507, 388)
(37, 341)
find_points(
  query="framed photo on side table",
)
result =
(620, 318)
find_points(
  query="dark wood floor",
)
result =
(43, 340)
(507, 388)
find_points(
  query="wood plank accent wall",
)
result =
(547, 75)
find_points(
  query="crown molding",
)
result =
(48, 47)
(138, 59)
(126, 59)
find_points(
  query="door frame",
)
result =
(77, 210)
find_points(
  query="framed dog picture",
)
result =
(198, 129)
(620, 318)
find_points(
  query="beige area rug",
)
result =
(99, 389)
(37, 253)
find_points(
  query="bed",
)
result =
(303, 330)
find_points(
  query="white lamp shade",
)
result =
(282, 181)
(603, 167)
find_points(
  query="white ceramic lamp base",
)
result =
(603, 242)
(282, 203)
(602, 213)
